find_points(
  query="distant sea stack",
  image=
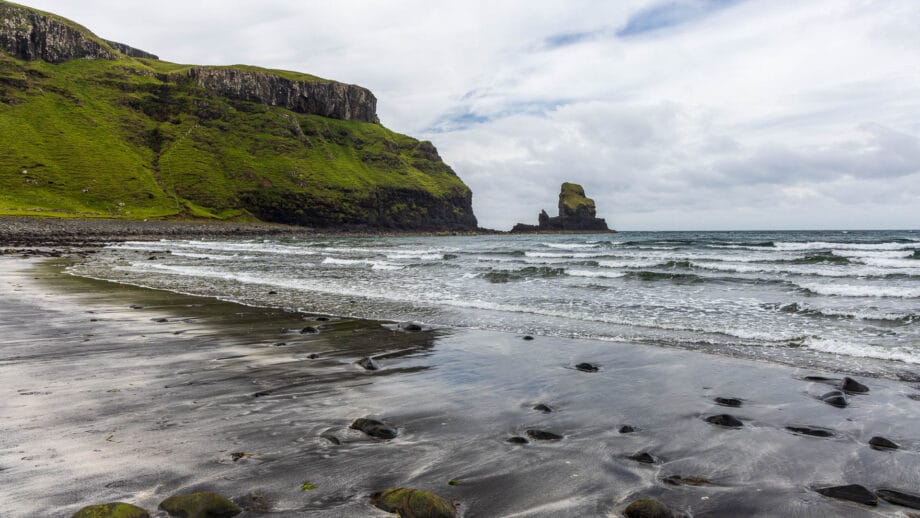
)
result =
(577, 213)
(96, 128)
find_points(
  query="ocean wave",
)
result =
(566, 255)
(647, 275)
(893, 244)
(530, 272)
(867, 315)
(376, 265)
(595, 274)
(900, 354)
(857, 290)
(569, 246)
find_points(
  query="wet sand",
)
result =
(100, 402)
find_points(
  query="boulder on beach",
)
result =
(881, 443)
(413, 503)
(647, 508)
(644, 458)
(200, 505)
(726, 420)
(543, 435)
(111, 510)
(587, 367)
(898, 498)
(368, 363)
(810, 430)
(728, 401)
(835, 398)
(309, 330)
(374, 428)
(852, 492)
(852, 386)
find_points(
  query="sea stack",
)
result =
(577, 213)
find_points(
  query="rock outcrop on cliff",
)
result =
(577, 212)
(100, 129)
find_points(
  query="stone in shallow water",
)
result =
(309, 330)
(852, 492)
(374, 428)
(368, 364)
(647, 508)
(111, 510)
(644, 458)
(543, 408)
(413, 503)
(543, 435)
(726, 420)
(835, 398)
(528, 337)
(627, 429)
(200, 505)
(854, 387)
(587, 367)
(899, 498)
(881, 443)
(517, 440)
(677, 480)
(409, 326)
(808, 430)
(728, 401)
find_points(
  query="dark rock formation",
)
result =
(130, 51)
(517, 440)
(882, 444)
(326, 98)
(374, 428)
(677, 480)
(627, 429)
(30, 35)
(647, 508)
(112, 510)
(368, 363)
(899, 498)
(587, 367)
(810, 430)
(644, 458)
(200, 505)
(543, 435)
(852, 492)
(728, 401)
(542, 407)
(835, 398)
(726, 420)
(852, 386)
(576, 213)
(415, 503)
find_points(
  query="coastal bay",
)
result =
(107, 402)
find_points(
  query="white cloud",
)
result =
(746, 114)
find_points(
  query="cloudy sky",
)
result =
(674, 114)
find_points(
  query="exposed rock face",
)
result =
(329, 99)
(128, 50)
(576, 213)
(30, 35)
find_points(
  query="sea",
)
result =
(845, 301)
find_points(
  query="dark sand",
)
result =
(101, 402)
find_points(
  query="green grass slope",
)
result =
(119, 138)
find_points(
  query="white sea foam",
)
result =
(376, 265)
(821, 245)
(862, 290)
(594, 273)
(569, 246)
(901, 354)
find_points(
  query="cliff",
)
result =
(577, 213)
(92, 128)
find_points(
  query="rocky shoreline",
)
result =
(18, 231)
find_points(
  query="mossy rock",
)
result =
(413, 503)
(200, 505)
(647, 508)
(111, 510)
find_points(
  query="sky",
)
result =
(673, 114)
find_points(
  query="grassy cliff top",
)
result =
(573, 196)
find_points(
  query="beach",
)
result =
(120, 393)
